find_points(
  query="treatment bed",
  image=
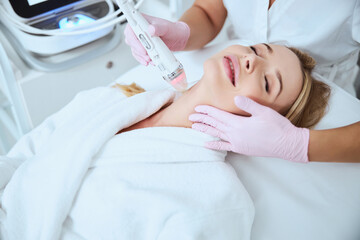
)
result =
(294, 201)
(74, 178)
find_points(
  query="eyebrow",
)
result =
(268, 48)
(280, 80)
(278, 75)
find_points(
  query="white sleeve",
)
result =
(31, 143)
(36, 141)
(356, 23)
(24, 149)
(230, 224)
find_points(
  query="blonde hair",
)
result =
(310, 106)
(129, 90)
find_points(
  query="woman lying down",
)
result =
(109, 166)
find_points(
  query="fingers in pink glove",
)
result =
(209, 130)
(140, 50)
(130, 37)
(158, 27)
(219, 145)
(139, 58)
(208, 120)
(146, 58)
(174, 34)
(137, 48)
(216, 113)
(250, 106)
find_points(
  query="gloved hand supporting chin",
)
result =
(265, 133)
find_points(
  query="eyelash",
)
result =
(254, 50)
(266, 81)
(266, 85)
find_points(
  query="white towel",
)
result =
(161, 183)
(41, 192)
(155, 183)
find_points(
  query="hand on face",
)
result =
(265, 133)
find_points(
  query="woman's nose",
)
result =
(249, 63)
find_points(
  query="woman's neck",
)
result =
(177, 113)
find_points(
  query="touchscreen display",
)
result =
(32, 8)
(33, 2)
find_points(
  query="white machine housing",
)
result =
(50, 45)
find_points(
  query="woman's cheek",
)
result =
(214, 77)
(212, 68)
(254, 92)
(225, 102)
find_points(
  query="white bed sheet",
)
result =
(312, 201)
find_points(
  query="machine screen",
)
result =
(33, 2)
(32, 8)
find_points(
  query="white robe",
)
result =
(73, 178)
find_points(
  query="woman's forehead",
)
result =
(289, 67)
(287, 63)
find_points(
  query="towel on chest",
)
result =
(160, 183)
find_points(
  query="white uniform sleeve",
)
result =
(231, 224)
(356, 22)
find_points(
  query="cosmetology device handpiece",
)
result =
(171, 69)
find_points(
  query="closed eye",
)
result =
(266, 81)
(253, 49)
(266, 85)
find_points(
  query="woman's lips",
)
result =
(227, 67)
(232, 74)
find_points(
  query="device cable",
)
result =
(37, 64)
(12, 92)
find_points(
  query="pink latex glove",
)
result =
(174, 34)
(265, 133)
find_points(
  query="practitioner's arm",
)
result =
(205, 19)
(335, 145)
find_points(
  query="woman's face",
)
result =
(269, 74)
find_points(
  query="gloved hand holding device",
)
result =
(265, 133)
(174, 34)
